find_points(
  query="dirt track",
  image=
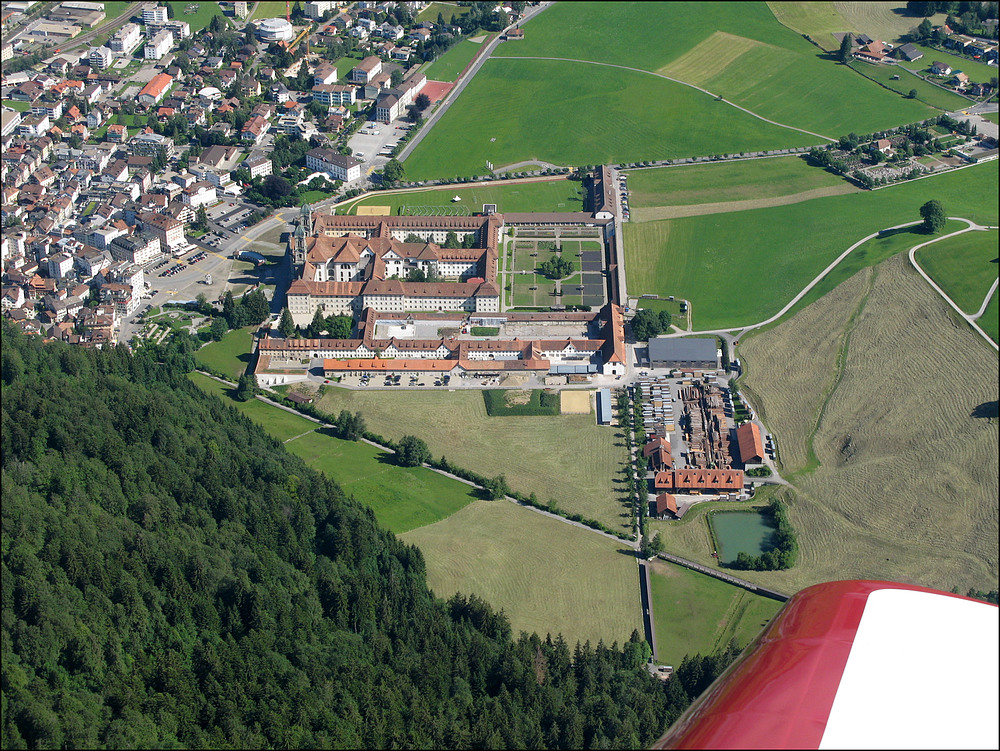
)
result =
(677, 212)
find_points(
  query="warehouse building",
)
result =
(685, 354)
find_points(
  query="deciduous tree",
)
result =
(934, 216)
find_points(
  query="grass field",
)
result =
(964, 266)
(738, 268)
(548, 576)
(552, 195)
(894, 477)
(571, 113)
(403, 498)
(268, 10)
(817, 19)
(990, 320)
(16, 104)
(883, 20)
(567, 458)
(230, 355)
(730, 181)
(993, 117)
(977, 72)
(276, 422)
(449, 11)
(203, 15)
(696, 614)
(747, 56)
(451, 63)
(926, 92)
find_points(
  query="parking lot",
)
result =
(371, 144)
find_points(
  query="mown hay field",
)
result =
(739, 268)
(555, 195)
(696, 614)
(576, 113)
(965, 266)
(905, 485)
(546, 575)
(729, 181)
(566, 458)
(817, 19)
(883, 20)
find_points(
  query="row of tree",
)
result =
(784, 546)
(647, 324)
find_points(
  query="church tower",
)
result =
(302, 230)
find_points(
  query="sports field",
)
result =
(696, 614)
(566, 458)
(267, 9)
(729, 181)
(229, 355)
(554, 195)
(741, 267)
(574, 402)
(876, 389)
(403, 498)
(570, 113)
(964, 266)
(202, 13)
(547, 576)
(451, 63)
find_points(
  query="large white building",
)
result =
(317, 8)
(159, 45)
(340, 167)
(275, 30)
(100, 58)
(126, 39)
(154, 13)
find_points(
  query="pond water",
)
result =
(741, 531)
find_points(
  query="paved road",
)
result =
(463, 81)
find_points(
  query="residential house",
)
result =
(366, 70)
(337, 165)
(940, 69)
(197, 194)
(325, 73)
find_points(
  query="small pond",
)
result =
(741, 532)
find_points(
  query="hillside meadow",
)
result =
(894, 476)
(965, 266)
(740, 267)
(546, 575)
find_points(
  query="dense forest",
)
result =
(173, 578)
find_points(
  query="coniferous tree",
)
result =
(844, 53)
(286, 326)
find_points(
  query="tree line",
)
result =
(173, 577)
(783, 541)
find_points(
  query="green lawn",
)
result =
(964, 266)
(269, 10)
(977, 72)
(16, 104)
(993, 117)
(566, 458)
(203, 15)
(451, 63)
(738, 268)
(555, 195)
(230, 355)
(276, 422)
(570, 113)
(113, 10)
(990, 320)
(694, 613)
(403, 498)
(547, 576)
(926, 92)
(739, 51)
(449, 11)
(730, 181)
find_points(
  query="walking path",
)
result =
(717, 97)
(676, 212)
(970, 319)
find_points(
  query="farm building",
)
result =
(711, 481)
(909, 52)
(657, 451)
(604, 406)
(665, 507)
(750, 444)
(696, 353)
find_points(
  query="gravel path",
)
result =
(676, 212)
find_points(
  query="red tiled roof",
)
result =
(750, 443)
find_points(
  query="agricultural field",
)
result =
(451, 63)
(230, 355)
(728, 181)
(449, 11)
(927, 92)
(738, 268)
(977, 72)
(964, 266)
(887, 21)
(746, 56)
(555, 195)
(696, 614)
(566, 458)
(571, 113)
(817, 19)
(403, 498)
(547, 576)
(903, 483)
